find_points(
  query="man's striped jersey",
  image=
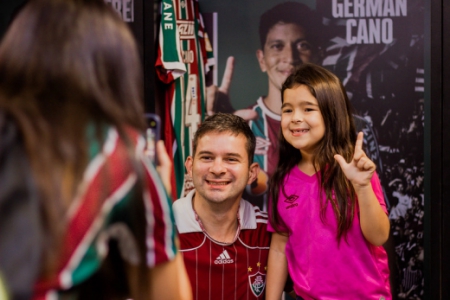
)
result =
(218, 271)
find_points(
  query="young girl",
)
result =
(327, 213)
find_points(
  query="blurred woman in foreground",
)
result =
(71, 94)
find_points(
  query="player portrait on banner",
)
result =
(376, 48)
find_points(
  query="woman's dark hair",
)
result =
(66, 65)
(339, 138)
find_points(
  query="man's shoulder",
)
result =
(181, 203)
(184, 215)
(190, 241)
(254, 226)
(190, 233)
(251, 215)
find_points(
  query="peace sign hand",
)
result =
(360, 170)
(218, 98)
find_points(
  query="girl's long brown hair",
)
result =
(64, 65)
(339, 138)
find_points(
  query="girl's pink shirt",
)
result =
(320, 267)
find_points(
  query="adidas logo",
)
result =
(223, 258)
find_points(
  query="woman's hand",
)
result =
(164, 165)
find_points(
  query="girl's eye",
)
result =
(286, 110)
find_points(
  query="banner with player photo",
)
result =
(376, 47)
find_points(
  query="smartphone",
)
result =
(152, 135)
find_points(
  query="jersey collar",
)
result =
(185, 215)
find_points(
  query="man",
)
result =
(286, 43)
(223, 238)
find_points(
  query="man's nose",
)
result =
(217, 166)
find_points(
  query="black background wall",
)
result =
(437, 152)
(7, 9)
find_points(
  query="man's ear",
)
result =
(188, 164)
(260, 57)
(253, 172)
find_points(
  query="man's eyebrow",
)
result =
(204, 152)
(233, 154)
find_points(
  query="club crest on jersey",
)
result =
(257, 283)
(186, 29)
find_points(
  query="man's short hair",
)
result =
(291, 12)
(222, 122)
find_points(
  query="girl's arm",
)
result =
(374, 221)
(277, 267)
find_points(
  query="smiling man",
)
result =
(223, 238)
